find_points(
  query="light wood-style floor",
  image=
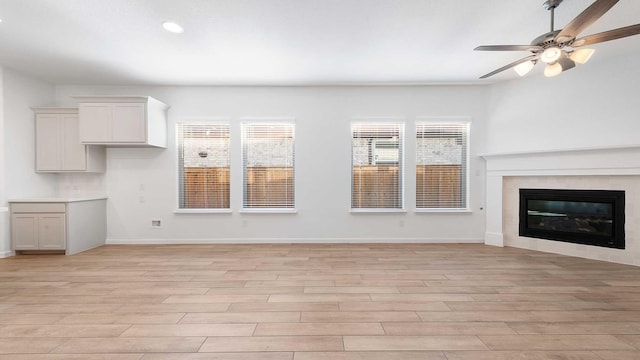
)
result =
(312, 302)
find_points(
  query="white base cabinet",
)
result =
(68, 225)
(38, 231)
(58, 147)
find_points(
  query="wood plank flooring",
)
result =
(319, 301)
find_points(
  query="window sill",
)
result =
(268, 211)
(459, 211)
(202, 211)
(378, 211)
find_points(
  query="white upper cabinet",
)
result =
(58, 147)
(96, 124)
(127, 126)
(123, 121)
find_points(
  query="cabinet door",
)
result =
(95, 122)
(129, 122)
(48, 142)
(74, 154)
(24, 231)
(51, 229)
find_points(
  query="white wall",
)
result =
(4, 215)
(20, 93)
(141, 183)
(593, 105)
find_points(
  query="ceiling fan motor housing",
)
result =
(545, 40)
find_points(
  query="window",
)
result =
(441, 165)
(268, 165)
(376, 158)
(203, 166)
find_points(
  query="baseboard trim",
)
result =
(294, 241)
(5, 254)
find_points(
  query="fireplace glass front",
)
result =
(592, 217)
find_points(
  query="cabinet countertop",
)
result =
(58, 199)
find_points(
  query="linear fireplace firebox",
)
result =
(591, 217)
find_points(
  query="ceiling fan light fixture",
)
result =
(566, 63)
(524, 68)
(581, 56)
(551, 54)
(563, 64)
(553, 70)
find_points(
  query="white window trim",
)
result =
(275, 121)
(377, 211)
(202, 211)
(381, 120)
(268, 211)
(454, 120)
(207, 120)
(442, 210)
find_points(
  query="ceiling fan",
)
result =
(555, 48)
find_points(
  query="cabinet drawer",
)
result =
(38, 208)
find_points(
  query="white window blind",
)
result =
(377, 165)
(441, 165)
(268, 165)
(203, 166)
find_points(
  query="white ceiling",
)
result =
(283, 42)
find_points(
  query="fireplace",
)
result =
(591, 217)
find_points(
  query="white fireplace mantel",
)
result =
(618, 160)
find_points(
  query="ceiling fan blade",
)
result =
(608, 35)
(586, 18)
(515, 63)
(508, 48)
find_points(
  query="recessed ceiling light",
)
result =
(172, 27)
